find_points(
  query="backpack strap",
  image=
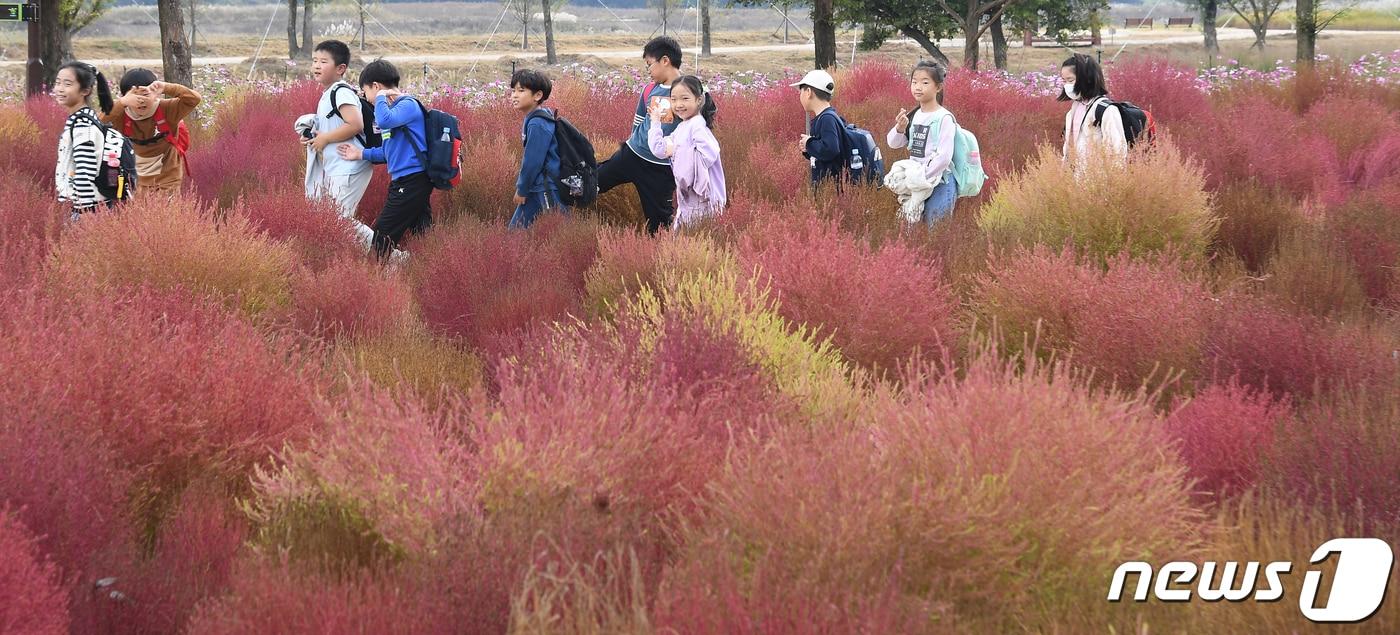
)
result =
(335, 90)
(162, 126)
(1097, 108)
(421, 152)
(162, 129)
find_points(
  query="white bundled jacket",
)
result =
(908, 180)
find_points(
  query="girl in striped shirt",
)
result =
(80, 146)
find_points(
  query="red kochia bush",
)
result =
(175, 386)
(478, 281)
(1343, 450)
(192, 560)
(278, 599)
(351, 297)
(879, 305)
(35, 603)
(61, 483)
(30, 137)
(1270, 143)
(1166, 88)
(1272, 349)
(1368, 230)
(252, 147)
(32, 220)
(1135, 321)
(1225, 432)
(958, 521)
(314, 228)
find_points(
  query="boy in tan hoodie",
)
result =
(151, 113)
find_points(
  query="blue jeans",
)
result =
(535, 204)
(940, 202)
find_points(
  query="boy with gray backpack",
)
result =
(835, 149)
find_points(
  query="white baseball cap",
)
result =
(818, 79)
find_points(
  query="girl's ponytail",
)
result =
(708, 109)
(104, 92)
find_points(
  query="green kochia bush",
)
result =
(1154, 201)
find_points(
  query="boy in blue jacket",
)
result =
(398, 118)
(823, 143)
(535, 189)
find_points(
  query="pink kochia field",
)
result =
(221, 416)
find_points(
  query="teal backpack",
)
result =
(967, 160)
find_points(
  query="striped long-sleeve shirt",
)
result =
(79, 153)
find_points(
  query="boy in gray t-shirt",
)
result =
(338, 121)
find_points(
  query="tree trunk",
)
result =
(525, 32)
(1259, 34)
(1210, 10)
(824, 32)
(549, 56)
(54, 39)
(1095, 29)
(361, 4)
(705, 28)
(293, 49)
(999, 46)
(174, 48)
(306, 43)
(927, 43)
(970, 24)
(65, 48)
(1306, 13)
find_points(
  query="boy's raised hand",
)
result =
(350, 152)
(156, 89)
(901, 121)
(802, 142)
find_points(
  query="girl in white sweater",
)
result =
(80, 145)
(929, 133)
(1084, 86)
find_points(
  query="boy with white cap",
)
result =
(822, 145)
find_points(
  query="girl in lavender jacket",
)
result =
(693, 151)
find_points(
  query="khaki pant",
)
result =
(347, 190)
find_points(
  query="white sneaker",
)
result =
(398, 259)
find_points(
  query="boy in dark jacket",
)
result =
(823, 143)
(535, 189)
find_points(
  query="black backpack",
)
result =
(442, 159)
(366, 137)
(578, 165)
(115, 183)
(1138, 124)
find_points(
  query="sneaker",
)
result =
(398, 259)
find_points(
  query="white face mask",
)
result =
(1069, 92)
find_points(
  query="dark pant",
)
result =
(535, 204)
(656, 186)
(407, 209)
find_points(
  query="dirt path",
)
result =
(1123, 38)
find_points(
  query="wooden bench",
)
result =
(1137, 22)
(1186, 22)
